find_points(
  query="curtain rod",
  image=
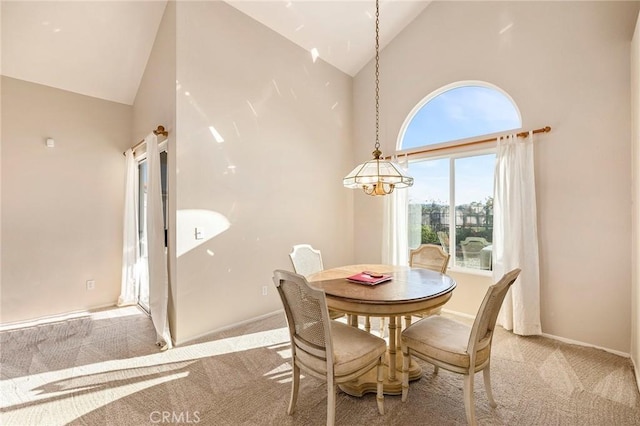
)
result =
(523, 134)
(160, 131)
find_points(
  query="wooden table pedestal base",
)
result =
(392, 385)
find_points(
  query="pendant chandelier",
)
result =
(377, 176)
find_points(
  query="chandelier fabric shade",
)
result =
(377, 176)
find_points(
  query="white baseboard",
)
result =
(226, 327)
(588, 345)
(565, 340)
(54, 318)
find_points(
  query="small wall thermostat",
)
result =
(50, 143)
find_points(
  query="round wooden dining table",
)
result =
(410, 291)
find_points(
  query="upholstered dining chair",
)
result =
(306, 261)
(428, 256)
(326, 349)
(458, 347)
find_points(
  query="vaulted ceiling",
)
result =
(100, 48)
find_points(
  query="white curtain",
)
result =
(515, 235)
(395, 243)
(129, 288)
(157, 255)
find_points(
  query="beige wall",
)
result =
(62, 206)
(635, 198)
(566, 64)
(276, 178)
(469, 292)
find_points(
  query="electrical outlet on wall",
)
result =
(264, 290)
(91, 284)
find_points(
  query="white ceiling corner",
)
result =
(101, 48)
(95, 48)
(343, 32)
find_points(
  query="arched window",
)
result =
(459, 111)
(451, 201)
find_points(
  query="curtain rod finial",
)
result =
(160, 131)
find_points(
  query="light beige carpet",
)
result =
(106, 370)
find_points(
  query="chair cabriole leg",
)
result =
(295, 384)
(486, 373)
(468, 399)
(331, 404)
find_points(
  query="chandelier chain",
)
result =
(377, 76)
(379, 176)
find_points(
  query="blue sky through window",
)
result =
(430, 181)
(474, 180)
(460, 113)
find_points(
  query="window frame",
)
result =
(452, 157)
(453, 150)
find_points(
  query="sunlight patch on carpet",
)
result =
(92, 385)
(609, 387)
(558, 373)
